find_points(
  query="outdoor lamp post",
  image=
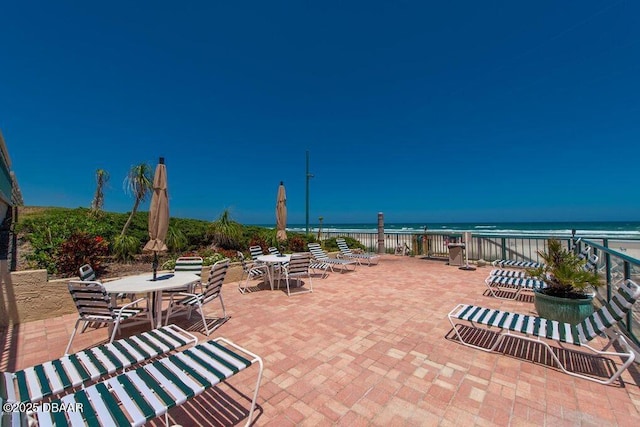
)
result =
(308, 176)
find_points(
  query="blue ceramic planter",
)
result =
(566, 310)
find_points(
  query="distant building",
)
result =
(10, 199)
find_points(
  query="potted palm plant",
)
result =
(570, 291)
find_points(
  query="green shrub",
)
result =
(225, 233)
(212, 259)
(125, 247)
(79, 249)
(296, 243)
(169, 264)
(175, 240)
(330, 245)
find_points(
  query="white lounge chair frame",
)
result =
(539, 330)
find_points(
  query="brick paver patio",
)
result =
(370, 347)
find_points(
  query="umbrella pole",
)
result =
(155, 264)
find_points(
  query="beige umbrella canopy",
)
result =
(158, 215)
(281, 213)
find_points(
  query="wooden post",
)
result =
(380, 233)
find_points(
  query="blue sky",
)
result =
(426, 111)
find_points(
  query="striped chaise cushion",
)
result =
(141, 394)
(50, 378)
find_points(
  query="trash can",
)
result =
(456, 252)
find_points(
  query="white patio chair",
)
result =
(94, 306)
(87, 273)
(186, 264)
(297, 268)
(210, 291)
(252, 271)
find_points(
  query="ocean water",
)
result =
(614, 230)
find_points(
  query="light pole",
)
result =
(308, 176)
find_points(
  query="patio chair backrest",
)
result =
(189, 264)
(255, 251)
(246, 267)
(592, 262)
(273, 250)
(342, 245)
(91, 299)
(299, 263)
(87, 273)
(317, 251)
(242, 259)
(610, 313)
(216, 278)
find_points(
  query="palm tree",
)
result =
(225, 232)
(139, 183)
(102, 176)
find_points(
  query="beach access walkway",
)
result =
(371, 347)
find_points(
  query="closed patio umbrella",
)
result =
(158, 215)
(281, 213)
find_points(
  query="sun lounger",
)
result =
(502, 263)
(54, 377)
(507, 273)
(320, 255)
(541, 330)
(345, 252)
(519, 280)
(515, 284)
(142, 394)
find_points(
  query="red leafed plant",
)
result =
(79, 249)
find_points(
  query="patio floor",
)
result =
(369, 347)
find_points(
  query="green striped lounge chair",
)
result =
(518, 281)
(53, 378)
(502, 263)
(151, 390)
(515, 285)
(507, 273)
(210, 291)
(346, 252)
(590, 264)
(603, 322)
(320, 255)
